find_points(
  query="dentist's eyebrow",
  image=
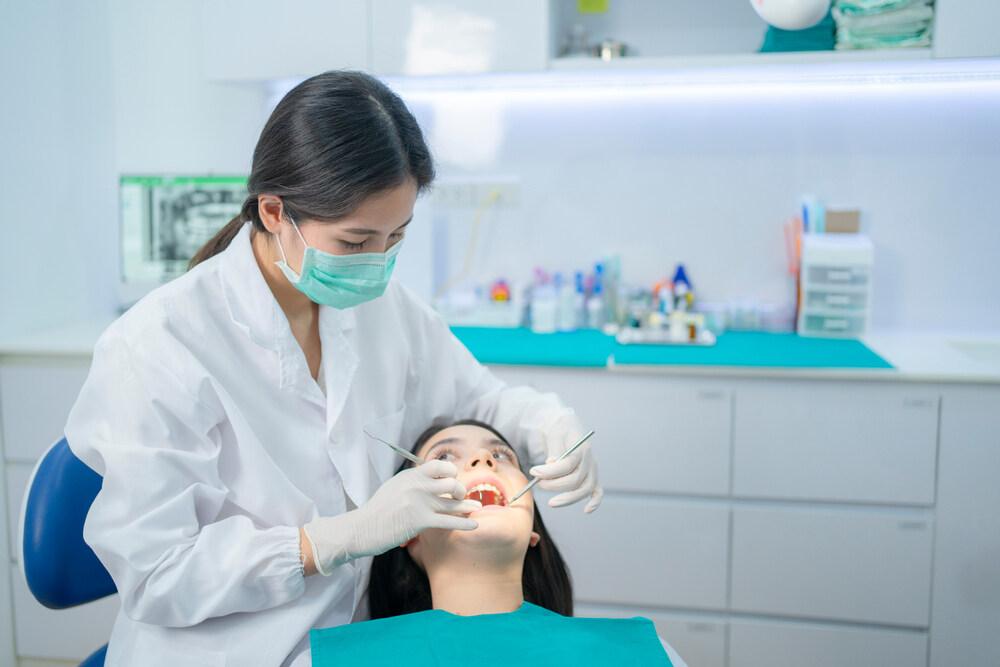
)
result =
(370, 232)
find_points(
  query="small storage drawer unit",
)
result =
(835, 285)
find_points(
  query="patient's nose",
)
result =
(482, 461)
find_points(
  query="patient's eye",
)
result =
(442, 454)
(504, 454)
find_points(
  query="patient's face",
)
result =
(490, 472)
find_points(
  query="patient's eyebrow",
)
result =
(449, 441)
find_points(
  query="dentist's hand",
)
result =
(577, 473)
(406, 505)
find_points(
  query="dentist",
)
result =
(227, 410)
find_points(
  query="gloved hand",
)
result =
(577, 473)
(401, 509)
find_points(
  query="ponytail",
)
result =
(225, 236)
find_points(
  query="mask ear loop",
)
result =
(278, 238)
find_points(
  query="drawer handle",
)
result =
(838, 276)
(839, 325)
(912, 525)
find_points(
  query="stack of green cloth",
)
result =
(819, 37)
(883, 24)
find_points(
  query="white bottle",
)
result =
(566, 319)
(543, 309)
(595, 310)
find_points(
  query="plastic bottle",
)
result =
(595, 308)
(579, 302)
(543, 305)
(566, 319)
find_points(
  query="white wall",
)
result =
(707, 178)
(57, 168)
(113, 86)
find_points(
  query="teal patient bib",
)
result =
(529, 636)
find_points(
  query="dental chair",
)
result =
(61, 570)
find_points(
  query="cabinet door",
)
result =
(653, 434)
(35, 400)
(966, 602)
(80, 630)
(459, 36)
(776, 644)
(698, 639)
(260, 40)
(847, 442)
(851, 565)
(966, 28)
(645, 551)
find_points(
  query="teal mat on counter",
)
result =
(735, 348)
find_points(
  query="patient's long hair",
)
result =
(399, 586)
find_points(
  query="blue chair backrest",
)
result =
(61, 569)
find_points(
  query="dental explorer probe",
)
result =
(532, 483)
(399, 450)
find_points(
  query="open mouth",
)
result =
(487, 494)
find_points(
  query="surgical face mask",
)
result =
(340, 281)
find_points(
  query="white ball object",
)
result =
(791, 14)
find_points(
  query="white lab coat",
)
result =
(216, 445)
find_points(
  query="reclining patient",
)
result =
(501, 592)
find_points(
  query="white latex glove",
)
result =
(577, 473)
(406, 505)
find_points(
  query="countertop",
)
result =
(883, 356)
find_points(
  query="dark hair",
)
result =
(399, 586)
(334, 140)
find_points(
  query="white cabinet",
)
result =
(36, 398)
(257, 40)
(965, 615)
(458, 36)
(845, 442)
(645, 551)
(63, 634)
(653, 434)
(783, 644)
(700, 640)
(860, 565)
(966, 28)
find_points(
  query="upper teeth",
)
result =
(485, 486)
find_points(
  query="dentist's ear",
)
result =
(535, 539)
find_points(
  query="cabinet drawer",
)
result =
(652, 434)
(35, 400)
(79, 631)
(837, 301)
(838, 565)
(698, 640)
(774, 644)
(848, 442)
(837, 275)
(644, 551)
(822, 324)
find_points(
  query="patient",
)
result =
(501, 588)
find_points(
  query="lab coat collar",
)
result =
(251, 304)
(253, 308)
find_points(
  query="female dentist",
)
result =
(227, 410)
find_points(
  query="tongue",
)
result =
(485, 497)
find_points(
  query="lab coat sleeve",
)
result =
(521, 414)
(161, 525)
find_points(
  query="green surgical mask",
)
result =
(340, 281)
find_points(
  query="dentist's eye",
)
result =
(354, 247)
